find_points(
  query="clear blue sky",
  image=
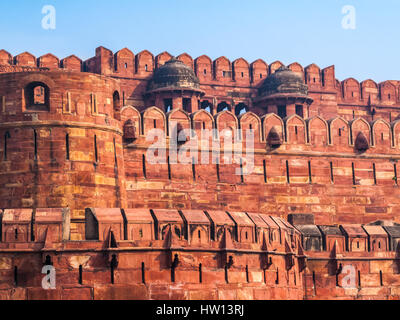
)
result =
(306, 31)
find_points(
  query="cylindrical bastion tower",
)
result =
(60, 142)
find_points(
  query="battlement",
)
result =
(125, 64)
(210, 230)
(27, 61)
(129, 254)
(211, 212)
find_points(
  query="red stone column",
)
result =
(290, 109)
(177, 101)
(159, 102)
(195, 103)
(273, 109)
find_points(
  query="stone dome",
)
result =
(283, 82)
(174, 75)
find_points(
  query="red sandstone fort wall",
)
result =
(69, 151)
(318, 170)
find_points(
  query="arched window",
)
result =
(241, 108)
(168, 105)
(206, 105)
(223, 106)
(187, 104)
(129, 131)
(37, 97)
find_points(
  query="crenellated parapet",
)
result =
(211, 251)
(240, 73)
(377, 236)
(209, 160)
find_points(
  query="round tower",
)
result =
(60, 141)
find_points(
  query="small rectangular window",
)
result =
(282, 111)
(96, 154)
(299, 110)
(169, 170)
(168, 105)
(241, 171)
(67, 147)
(80, 280)
(3, 103)
(186, 104)
(67, 106)
(194, 169)
(7, 136)
(93, 102)
(144, 166)
(287, 172)
(143, 273)
(265, 171)
(115, 154)
(35, 144)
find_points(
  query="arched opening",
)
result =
(300, 110)
(274, 139)
(129, 131)
(282, 112)
(241, 108)
(361, 145)
(168, 105)
(37, 96)
(206, 105)
(223, 106)
(117, 105)
(187, 104)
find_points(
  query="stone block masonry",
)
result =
(74, 135)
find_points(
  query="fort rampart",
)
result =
(75, 134)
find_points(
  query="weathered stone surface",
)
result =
(195, 230)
